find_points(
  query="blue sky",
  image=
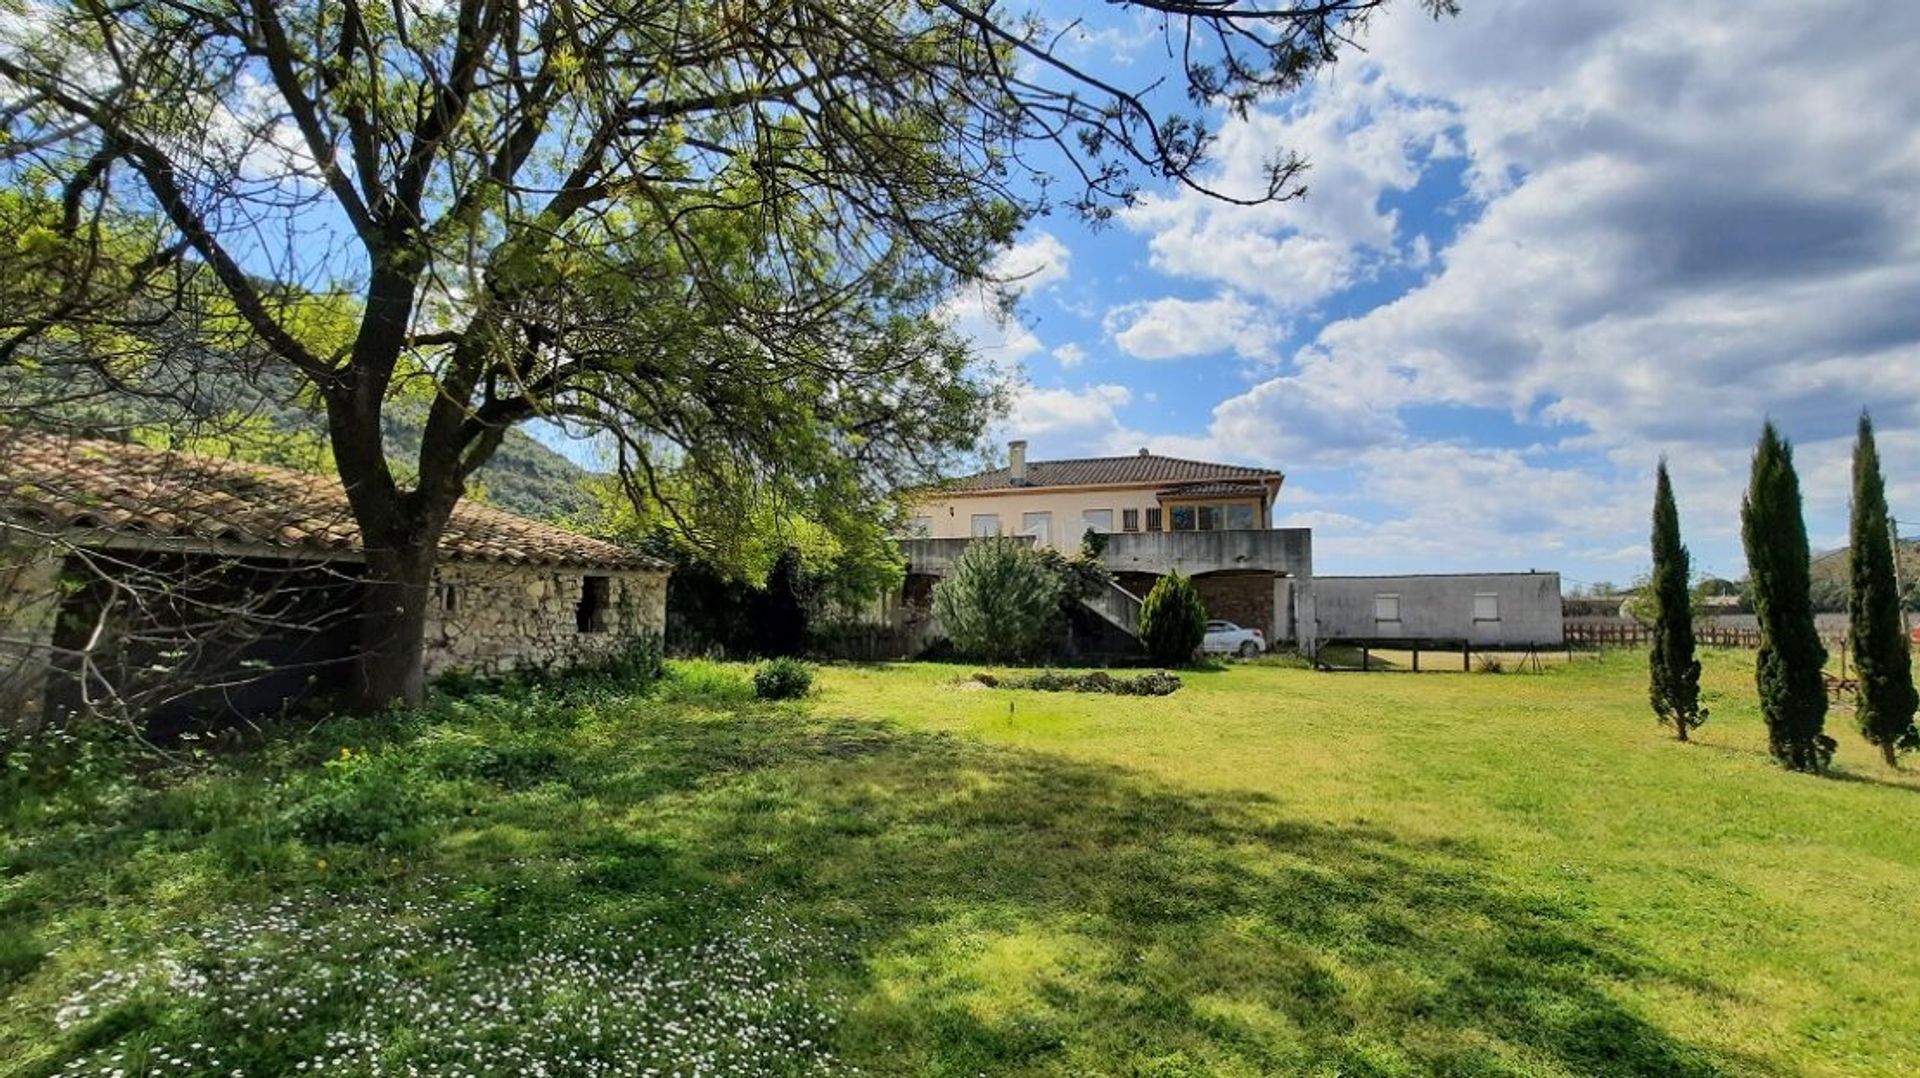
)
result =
(1544, 243)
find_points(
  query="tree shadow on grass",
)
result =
(991, 910)
(1015, 910)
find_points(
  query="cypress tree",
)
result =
(1675, 673)
(1881, 652)
(1173, 620)
(1788, 670)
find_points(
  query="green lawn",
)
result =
(1272, 871)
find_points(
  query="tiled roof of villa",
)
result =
(1137, 469)
(121, 490)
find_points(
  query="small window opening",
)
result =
(596, 594)
(1386, 607)
(1486, 606)
(1130, 520)
(449, 599)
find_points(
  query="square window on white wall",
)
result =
(1038, 525)
(1100, 520)
(1486, 606)
(986, 524)
(1386, 608)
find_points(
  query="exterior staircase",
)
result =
(1118, 607)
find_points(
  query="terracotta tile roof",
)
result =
(129, 490)
(1139, 468)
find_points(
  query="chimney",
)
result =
(1017, 462)
(1143, 450)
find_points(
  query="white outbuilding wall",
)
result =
(1482, 608)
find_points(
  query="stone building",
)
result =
(197, 584)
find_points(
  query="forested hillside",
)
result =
(268, 420)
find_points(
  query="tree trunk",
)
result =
(1890, 753)
(393, 629)
(1680, 727)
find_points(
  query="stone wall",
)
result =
(492, 619)
(29, 607)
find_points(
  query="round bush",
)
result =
(782, 679)
(1001, 601)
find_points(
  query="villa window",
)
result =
(1386, 607)
(1184, 518)
(1100, 520)
(1486, 606)
(1240, 517)
(985, 524)
(596, 595)
(1153, 519)
(1038, 525)
(1210, 518)
(920, 527)
(1129, 520)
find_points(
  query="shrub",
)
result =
(1489, 664)
(1001, 601)
(782, 679)
(360, 799)
(1173, 621)
(1158, 683)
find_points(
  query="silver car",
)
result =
(1226, 638)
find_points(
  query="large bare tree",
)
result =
(714, 231)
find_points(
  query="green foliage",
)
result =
(1882, 653)
(1674, 672)
(720, 239)
(784, 678)
(1788, 668)
(1081, 576)
(360, 798)
(1173, 620)
(639, 664)
(1157, 683)
(1001, 601)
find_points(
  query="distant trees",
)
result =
(1675, 673)
(1001, 602)
(1793, 693)
(1881, 652)
(1173, 620)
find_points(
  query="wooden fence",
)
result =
(1633, 634)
